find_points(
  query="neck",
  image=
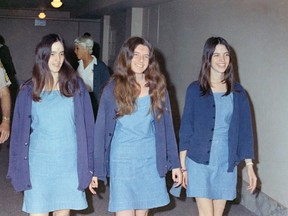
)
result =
(87, 60)
(140, 77)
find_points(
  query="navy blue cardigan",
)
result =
(197, 125)
(18, 170)
(166, 147)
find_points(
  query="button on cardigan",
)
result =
(197, 126)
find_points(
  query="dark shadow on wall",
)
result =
(172, 92)
(241, 166)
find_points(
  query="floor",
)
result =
(11, 202)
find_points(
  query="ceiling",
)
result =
(78, 8)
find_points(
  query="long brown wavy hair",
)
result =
(41, 75)
(127, 89)
(204, 76)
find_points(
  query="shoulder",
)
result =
(25, 90)
(194, 88)
(109, 87)
(100, 63)
(26, 86)
(238, 88)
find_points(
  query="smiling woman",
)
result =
(213, 140)
(135, 136)
(57, 129)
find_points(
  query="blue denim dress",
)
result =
(134, 180)
(53, 157)
(213, 181)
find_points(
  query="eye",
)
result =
(146, 56)
(135, 54)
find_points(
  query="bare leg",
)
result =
(205, 206)
(219, 206)
(40, 214)
(142, 212)
(65, 212)
(125, 213)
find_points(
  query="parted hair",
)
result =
(41, 74)
(204, 75)
(127, 89)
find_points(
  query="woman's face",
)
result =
(56, 57)
(140, 60)
(80, 51)
(220, 59)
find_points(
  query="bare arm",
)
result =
(183, 167)
(6, 111)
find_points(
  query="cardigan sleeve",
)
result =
(99, 141)
(89, 125)
(246, 140)
(172, 150)
(186, 127)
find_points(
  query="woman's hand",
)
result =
(177, 176)
(184, 178)
(252, 178)
(93, 184)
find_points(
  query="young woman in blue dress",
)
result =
(216, 132)
(135, 143)
(51, 147)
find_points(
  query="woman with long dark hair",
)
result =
(135, 143)
(216, 132)
(51, 147)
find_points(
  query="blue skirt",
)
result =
(212, 181)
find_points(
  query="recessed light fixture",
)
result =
(56, 3)
(42, 15)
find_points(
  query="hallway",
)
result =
(11, 202)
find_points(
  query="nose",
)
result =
(222, 58)
(58, 58)
(141, 58)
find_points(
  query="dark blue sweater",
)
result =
(197, 125)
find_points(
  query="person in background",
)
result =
(51, 148)
(93, 71)
(216, 132)
(135, 143)
(6, 59)
(96, 46)
(5, 105)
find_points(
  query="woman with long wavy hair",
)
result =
(135, 143)
(51, 147)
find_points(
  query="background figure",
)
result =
(135, 117)
(51, 148)
(93, 71)
(7, 62)
(96, 46)
(216, 132)
(5, 105)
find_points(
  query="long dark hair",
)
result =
(127, 89)
(204, 76)
(41, 75)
